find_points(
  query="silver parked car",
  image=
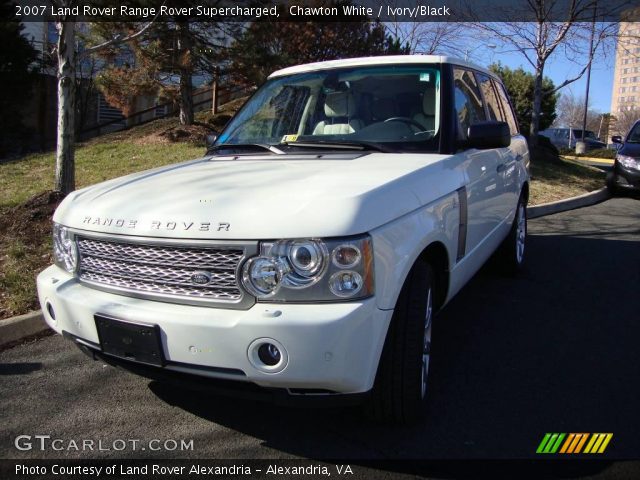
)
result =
(567, 137)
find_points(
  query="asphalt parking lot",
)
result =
(555, 350)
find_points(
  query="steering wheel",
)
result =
(407, 120)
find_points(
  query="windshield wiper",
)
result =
(344, 145)
(245, 146)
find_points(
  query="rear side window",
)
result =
(490, 98)
(510, 117)
(467, 100)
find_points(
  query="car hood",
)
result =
(630, 149)
(261, 197)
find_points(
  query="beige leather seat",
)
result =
(339, 108)
(428, 116)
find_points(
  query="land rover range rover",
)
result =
(309, 249)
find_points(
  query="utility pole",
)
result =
(586, 96)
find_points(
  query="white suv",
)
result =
(308, 251)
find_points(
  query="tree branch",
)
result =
(119, 39)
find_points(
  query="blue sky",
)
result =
(558, 68)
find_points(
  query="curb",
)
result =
(572, 203)
(600, 163)
(17, 328)
(603, 161)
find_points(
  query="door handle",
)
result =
(519, 157)
(500, 167)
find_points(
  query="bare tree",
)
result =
(537, 41)
(428, 37)
(621, 122)
(65, 158)
(570, 111)
(86, 70)
(425, 37)
(67, 55)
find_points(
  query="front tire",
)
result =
(611, 185)
(400, 390)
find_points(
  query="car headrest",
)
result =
(339, 104)
(429, 101)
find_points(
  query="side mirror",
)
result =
(616, 139)
(211, 139)
(488, 135)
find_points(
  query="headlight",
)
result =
(345, 283)
(64, 248)
(302, 262)
(311, 270)
(627, 161)
(261, 276)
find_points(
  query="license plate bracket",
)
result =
(136, 342)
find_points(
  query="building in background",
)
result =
(625, 98)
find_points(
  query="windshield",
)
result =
(394, 106)
(634, 134)
(587, 134)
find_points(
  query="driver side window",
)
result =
(467, 101)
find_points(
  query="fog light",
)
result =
(269, 354)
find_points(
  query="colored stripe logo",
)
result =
(574, 443)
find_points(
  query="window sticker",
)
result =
(424, 77)
(289, 138)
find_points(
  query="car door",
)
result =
(518, 147)
(480, 166)
(505, 199)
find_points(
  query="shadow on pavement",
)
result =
(554, 350)
(19, 368)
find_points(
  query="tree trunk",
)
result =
(65, 162)
(185, 68)
(186, 98)
(537, 105)
(214, 90)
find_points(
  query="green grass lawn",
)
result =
(21, 255)
(554, 181)
(95, 162)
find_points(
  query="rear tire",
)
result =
(400, 390)
(511, 254)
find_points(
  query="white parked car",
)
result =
(307, 253)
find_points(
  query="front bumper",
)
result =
(332, 347)
(625, 178)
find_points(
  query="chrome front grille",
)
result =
(161, 270)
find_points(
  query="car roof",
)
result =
(381, 60)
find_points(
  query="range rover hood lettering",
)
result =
(260, 198)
